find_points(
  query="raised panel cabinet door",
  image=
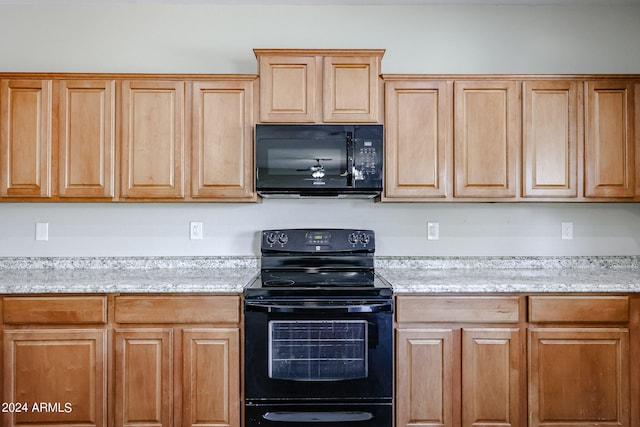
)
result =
(86, 138)
(351, 89)
(550, 138)
(25, 138)
(579, 377)
(143, 377)
(211, 377)
(418, 139)
(486, 138)
(289, 88)
(609, 139)
(61, 376)
(491, 378)
(152, 139)
(222, 140)
(425, 367)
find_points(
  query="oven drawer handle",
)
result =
(318, 417)
(280, 308)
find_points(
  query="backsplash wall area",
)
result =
(472, 229)
(196, 38)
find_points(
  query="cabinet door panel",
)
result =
(153, 140)
(418, 138)
(86, 138)
(609, 140)
(486, 139)
(550, 138)
(424, 377)
(211, 393)
(144, 372)
(64, 369)
(25, 138)
(222, 150)
(351, 89)
(490, 377)
(579, 376)
(288, 89)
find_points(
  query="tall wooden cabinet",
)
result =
(312, 86)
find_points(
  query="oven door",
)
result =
(308, 349)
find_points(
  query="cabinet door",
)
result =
(143, 377)
(289, 88)
(579, 376)
(152, 139)
(550, 139)
(351, 89)
(25, 138)
(222, 140)
(60, 374)
(86, 138)
(486, 138)
(491, 377)
(211, 377)
(609, 139)
(425, 366)
(417, 139)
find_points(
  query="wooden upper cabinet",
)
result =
(550, 138)
(351, 89)
(486, 138)
(418, 139)
(153, 147)
(25, 138)
(312, 86)
(86, 138)
(609, 139)
(222, 140)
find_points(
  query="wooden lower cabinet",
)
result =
(55, 377)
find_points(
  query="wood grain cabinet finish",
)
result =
(486, 138)
(418, 139)
(222, 140)
(579, 377)
(609, 139)
(64, 369)
(551, 112)
(25, 138)
(314, 86)
(470, 374)
(86, 138)
(153, 140)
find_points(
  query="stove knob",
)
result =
(283, 239)
(271, 238)
(364, 238)
(353, 238)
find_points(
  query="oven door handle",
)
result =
(277, 307)
(318, 417)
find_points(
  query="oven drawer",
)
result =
(336, 414)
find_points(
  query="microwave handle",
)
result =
(350, 159)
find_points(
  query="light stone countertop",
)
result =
(406, 274)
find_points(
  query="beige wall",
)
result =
(219, 39)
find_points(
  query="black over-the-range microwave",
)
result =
(319, 160)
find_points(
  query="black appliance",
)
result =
(319, 160)
(318, 332)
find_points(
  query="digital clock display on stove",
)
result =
(318, 238)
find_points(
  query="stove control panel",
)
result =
(318, 240)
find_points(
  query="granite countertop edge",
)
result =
(461, 275)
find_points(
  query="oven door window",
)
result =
(317, 350)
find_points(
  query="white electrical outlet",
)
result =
(433, 231)
(195, 230)
(42, 231)
(567, 231)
